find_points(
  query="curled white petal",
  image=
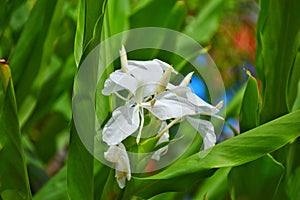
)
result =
(205, 129)
(117, 154)
(124, 121)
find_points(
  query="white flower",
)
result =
(181, 102)
(147, 83)
(136, 74)
(126, 119)
(117, 154)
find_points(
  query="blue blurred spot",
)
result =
(202, 59)
(198, 87)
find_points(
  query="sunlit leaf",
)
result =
(263, 177)
(236, 151)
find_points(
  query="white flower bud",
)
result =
(124, 61)
(187, 79)
(164, 80)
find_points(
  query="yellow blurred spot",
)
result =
(5, 73)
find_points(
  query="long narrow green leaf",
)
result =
(80, 175)
(294, 84)
(55, 189)
(278, 41)
(80, 180)
(214, 187)
(28, 54)
(14, 183)
(236, 151)
(250, 106)
(206, 22)
(89, 13)
(263, 177)
(296, 105)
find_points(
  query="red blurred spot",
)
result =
(245, 41)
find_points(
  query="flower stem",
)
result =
(168, 127)
(141, 125)
(120, 96)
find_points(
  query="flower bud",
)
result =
(164, 80)
(219, 105)
(5, 73)
(124, 61)
(187, 79)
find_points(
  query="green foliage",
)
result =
(250, 105)
(239, 150)
(14, 183)
(46, 43)
(278, 42)
(256, 180)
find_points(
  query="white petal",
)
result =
(164, 65)
(164, 138)
(117, 154)
(145, 71)
(168, 105)
(124, 80)
(203, 107)
(206, 130)
(144, 90)
(111, 87)
(124, 121)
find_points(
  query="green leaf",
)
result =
(55, 188)
(233, 107)
(236, 151)
(80, 176)
(14, 183)
(293, 185)
(250, 106)
(277, 44)
(111, 189)
(263, 177)
(140, 16)
(214, 187)
(80, 180)
(28, 54)
(296, 105)
(293, 85)
(205, 24)
(89, 16)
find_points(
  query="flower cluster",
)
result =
(148, 85)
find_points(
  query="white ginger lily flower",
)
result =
(117, 154)
(126, 119)
(135, 74)
(181, 103)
